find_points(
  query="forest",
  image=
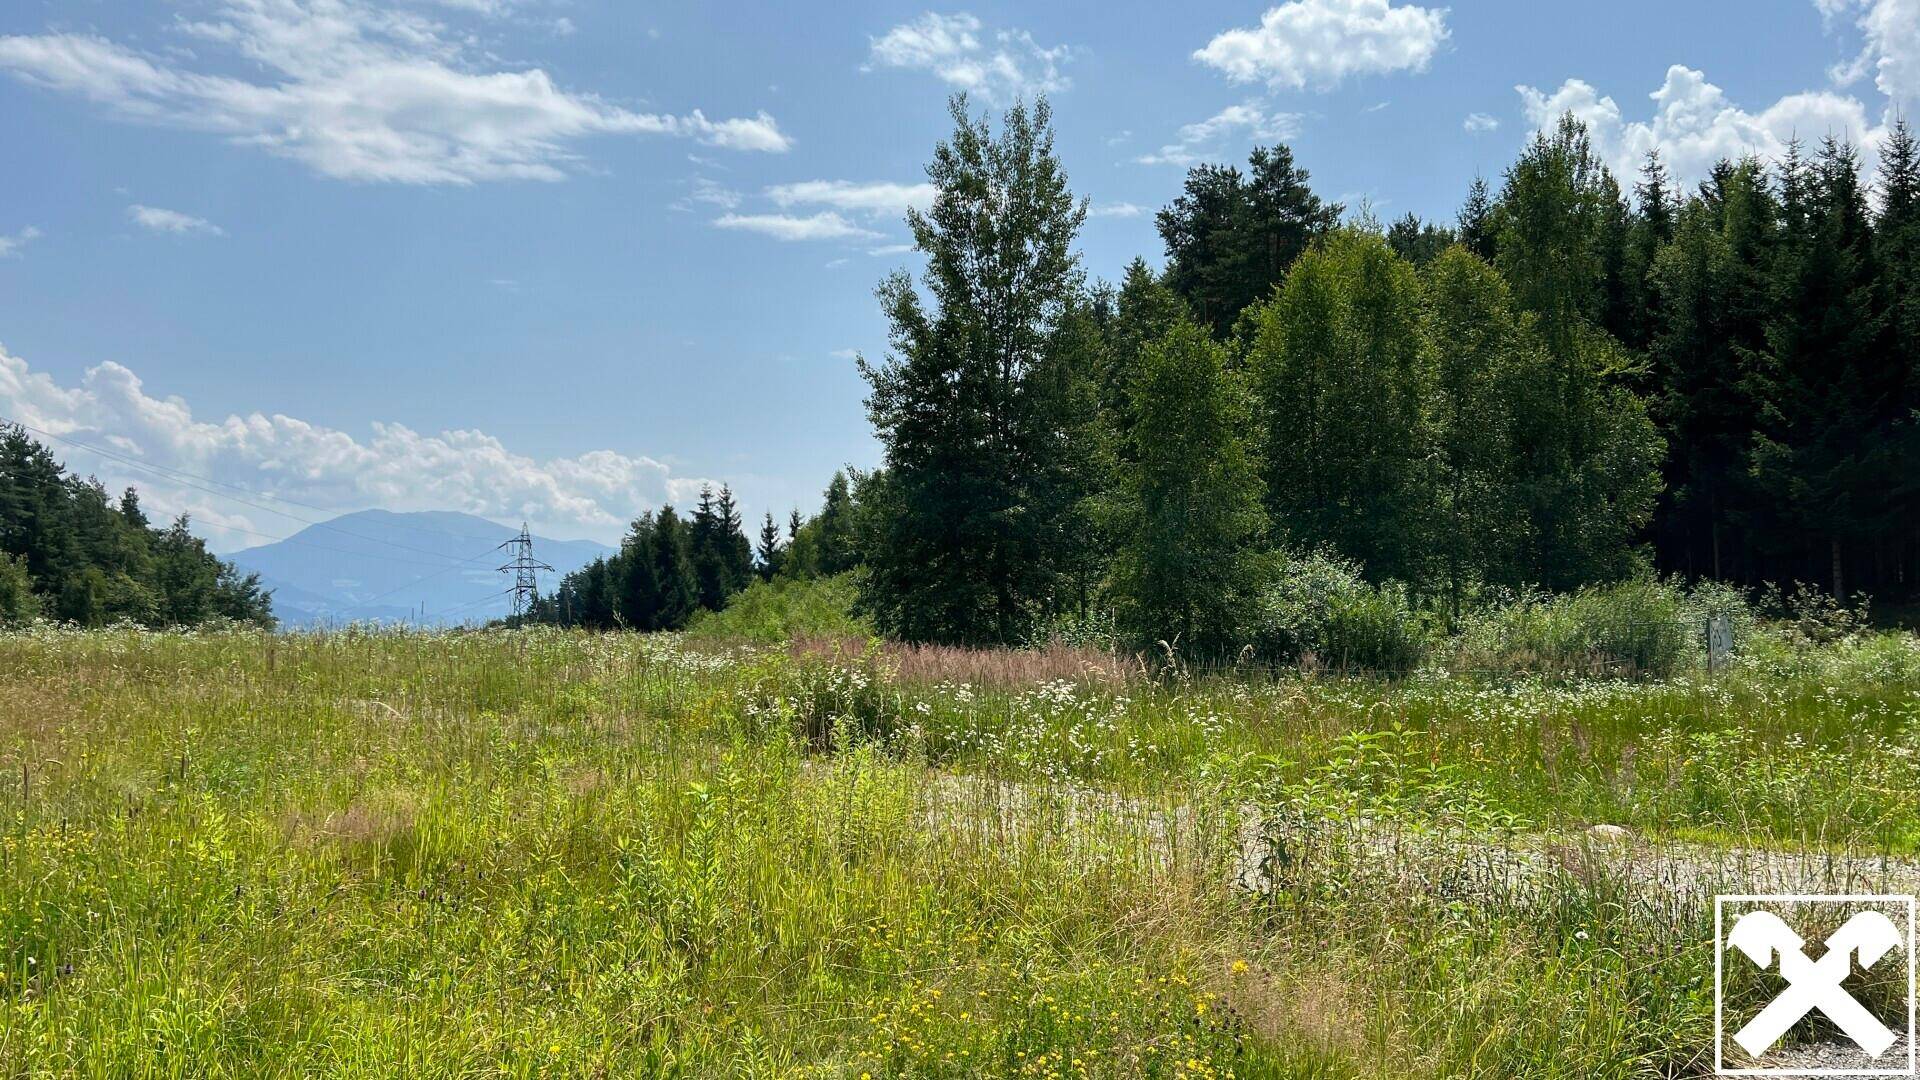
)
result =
(69, 553)
(1571, 384)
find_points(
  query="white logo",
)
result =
(1815, 986)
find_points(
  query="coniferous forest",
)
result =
(1582, 379)
(69, 553)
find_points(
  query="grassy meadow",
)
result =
(542, 853)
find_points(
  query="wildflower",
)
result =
(1239, 967)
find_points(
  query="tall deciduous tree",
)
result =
(1336, 364)
(1588, 454)
(1189, 510)
(970, 406)
(1479, 347)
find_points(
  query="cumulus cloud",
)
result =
(1694, 125)
(825, 225)
(958, 50)
(1480, 123)
(1890, 50)
(358, 92)
(1247, 121)
(879, 198)
(1319, 43)
(10, 245)
(161, 220)
(593, 494)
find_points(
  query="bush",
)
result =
(18, 604)
(784, 609)
(1634, 627)
(1319, 608)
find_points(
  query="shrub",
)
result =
(1318, 607)
(1632, 627)
(18, 604)
(785, 609)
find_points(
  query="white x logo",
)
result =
(1814, 984)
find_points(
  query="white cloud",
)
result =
(1890, 49)
(1116, 210)
(1249, 121)
(10, 245)
(707, 191)
(1694, 125)
(886, 250)
(159, 219)
(880, 198)
(593, 494)
(358, 92)
(1480, 123)
(958, 50)
(1318, 43)
(825, 225)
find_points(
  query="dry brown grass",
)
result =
(981, 667)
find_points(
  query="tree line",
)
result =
(669, 567)
(71, 553)
(1570, 384)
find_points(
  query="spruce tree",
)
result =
(771, 551)
(1230, 237)
(673, 571)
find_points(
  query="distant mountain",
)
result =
(379, 566)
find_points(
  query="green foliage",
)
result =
(69, 554)
(18, 604)
(1230, 237)
(1318, 609)
(984, 409)
(786, 609)
(827, 544)
(1336, 361)
(655, 581)
(1634, 627)
(1188, 512)
(1586, 453)
(717, 545)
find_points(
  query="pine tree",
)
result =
(1416, 241)
(1230, 238)
(1590, 453)
(673, 571)
(736, 551)
(629, 585)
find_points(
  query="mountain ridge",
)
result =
(427, 567)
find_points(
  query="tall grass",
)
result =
(552, 854)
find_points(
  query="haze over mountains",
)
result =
(436, 568)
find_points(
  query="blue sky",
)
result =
(562, 259)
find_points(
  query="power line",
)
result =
(523, 566)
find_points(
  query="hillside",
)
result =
(381, 566)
